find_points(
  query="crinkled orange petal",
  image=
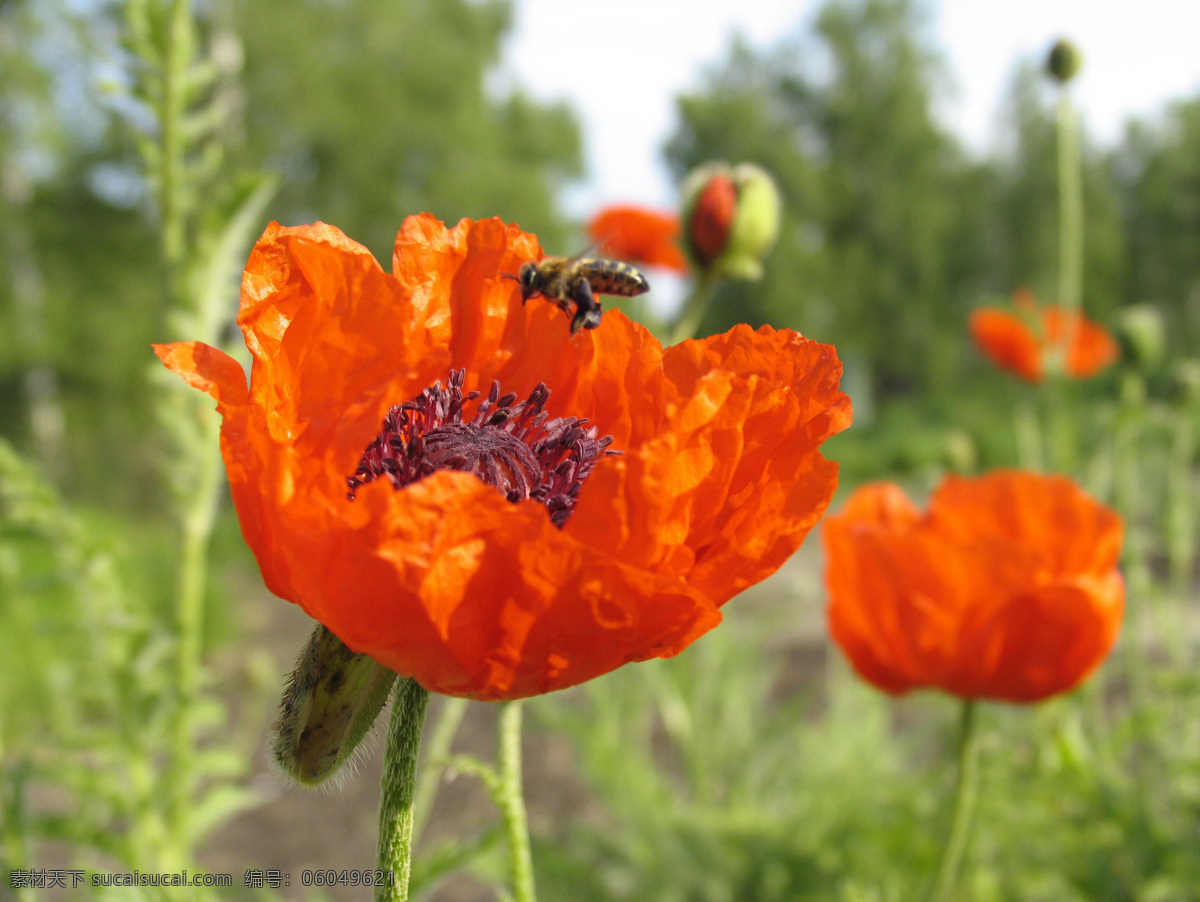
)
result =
(445, 580)
(733, 482)
(1007, 589)
(639, 235)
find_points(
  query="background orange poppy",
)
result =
(1021, 341)
(1007, 588)
(638, 235)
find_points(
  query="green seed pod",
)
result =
(1064, 62)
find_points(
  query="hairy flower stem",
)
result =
(965, 790)
(197, 525)
(694, 308)
(396, 837)
(511, 800)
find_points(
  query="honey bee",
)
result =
(563, 280)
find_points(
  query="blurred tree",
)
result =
(371, 110)
(880, 236)
(1158, 168)
(77, 277)
(376, 109)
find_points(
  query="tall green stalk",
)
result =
(201, 460)
(1029, 437)
(1181, 512)
(176, 61)
(965, 791)
(694, 307)
(452, 712)
(166, 39)
(1070, 209)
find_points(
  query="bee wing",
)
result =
(591, 250)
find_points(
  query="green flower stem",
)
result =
(1070, 210)
(1029, 437)
(438, 758)
(694, 308)
(965, 791)
(396, 809)
(512, 802)
(1127, 476)
(1180, 514)
(1060, 427)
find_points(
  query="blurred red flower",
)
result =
(1023, 340)
(638, 235)
(512, 555)
(1006, 589)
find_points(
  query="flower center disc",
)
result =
(512, 446)
(494, 455)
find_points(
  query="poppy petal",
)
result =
(446, 579)
(639, 235)
(1007, 588)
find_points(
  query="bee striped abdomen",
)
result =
(613, 277)
(567, 281)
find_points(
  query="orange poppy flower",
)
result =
(1006, 589)
(639, 236)
(583, 560)
(1021, 341)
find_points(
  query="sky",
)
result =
(621, 64)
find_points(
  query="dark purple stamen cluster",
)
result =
(512, 446)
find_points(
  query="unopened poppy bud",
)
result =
(1064, 62)
(711, 219)
(328, 706)
(1142, 336)
(731, 218)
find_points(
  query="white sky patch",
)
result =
(622, 63)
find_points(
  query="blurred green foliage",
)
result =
(369, 111)
(893, 231)
(757, 766)
(375, 110)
